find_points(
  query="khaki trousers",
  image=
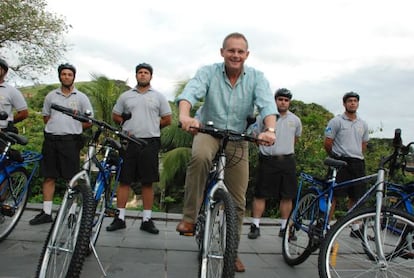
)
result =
(236, 176)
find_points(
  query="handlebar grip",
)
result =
(70, 112)
(62, 108)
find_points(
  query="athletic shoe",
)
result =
(41, 218)
(254, 232)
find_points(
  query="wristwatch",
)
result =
(271, 129)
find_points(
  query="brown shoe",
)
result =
(185, 228)
(239, 266)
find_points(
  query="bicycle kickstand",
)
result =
(97, 258)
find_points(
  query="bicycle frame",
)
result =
(325, 191)
(406, 195)
(15, 180)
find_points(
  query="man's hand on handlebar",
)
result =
(266, 138)
(188, 122)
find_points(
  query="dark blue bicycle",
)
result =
(14, 180)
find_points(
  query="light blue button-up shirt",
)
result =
(228, 107)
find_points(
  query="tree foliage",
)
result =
(103, 92)
(32, 40)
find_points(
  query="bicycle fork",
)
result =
(379, 195)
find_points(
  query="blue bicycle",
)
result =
(14, 180)
(309, 221)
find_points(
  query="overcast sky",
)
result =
(319, 49)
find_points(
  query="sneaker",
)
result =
(117, 224)
(149, 227)
(41, 218)
(292, 236)
(254, 232)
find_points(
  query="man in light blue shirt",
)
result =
(230, 92)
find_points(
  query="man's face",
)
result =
(2, 74)
(67, 78)
(235, 53)
(143, 77)
(351, 105)
(282, 104)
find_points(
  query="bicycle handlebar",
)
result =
(227, 134)
(399, 149)
(13, 138)
(87, 119)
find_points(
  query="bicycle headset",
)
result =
(144, 66)
(66, 66)
(283, 92)
(4, 64)
(350, 94)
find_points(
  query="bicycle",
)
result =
(383, 247)
(216, 231)
(309, 221)
(72, 237)
(14, 180)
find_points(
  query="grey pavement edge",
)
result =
(134, 253)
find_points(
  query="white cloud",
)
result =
(320, 48)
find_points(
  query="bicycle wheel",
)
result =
(303, 230)
(219, 254)
(67, 244)
(13, 201)
(344, 256)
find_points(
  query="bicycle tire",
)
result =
(299, 240)
(344, 256)
(13, 203)
(67, 243)
(219, 255)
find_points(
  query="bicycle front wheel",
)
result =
(219, 254)
(344, 255)
(302, 233)
(13, 200)
(68, 241)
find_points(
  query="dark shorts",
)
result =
(61, 156)
(355, 169)
(141, 164)
(276, 177)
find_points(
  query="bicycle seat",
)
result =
(332, 162)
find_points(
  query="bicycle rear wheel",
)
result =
(219, 254)
(302, 232)
(344, 256)
(13, 200)
(68, 241)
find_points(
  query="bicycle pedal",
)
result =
(7, 210)
(111, 212)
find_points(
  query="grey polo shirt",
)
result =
(288, 127)
(10, 98)
(348, 135)
(59, 123)
(146, 110)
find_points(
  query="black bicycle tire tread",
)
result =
(308, 251)
(22, 204)
(230, 253)
(347, 218)
(83, 239)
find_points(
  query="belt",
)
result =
(276, 157)
(349, 159)
(66, 137)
